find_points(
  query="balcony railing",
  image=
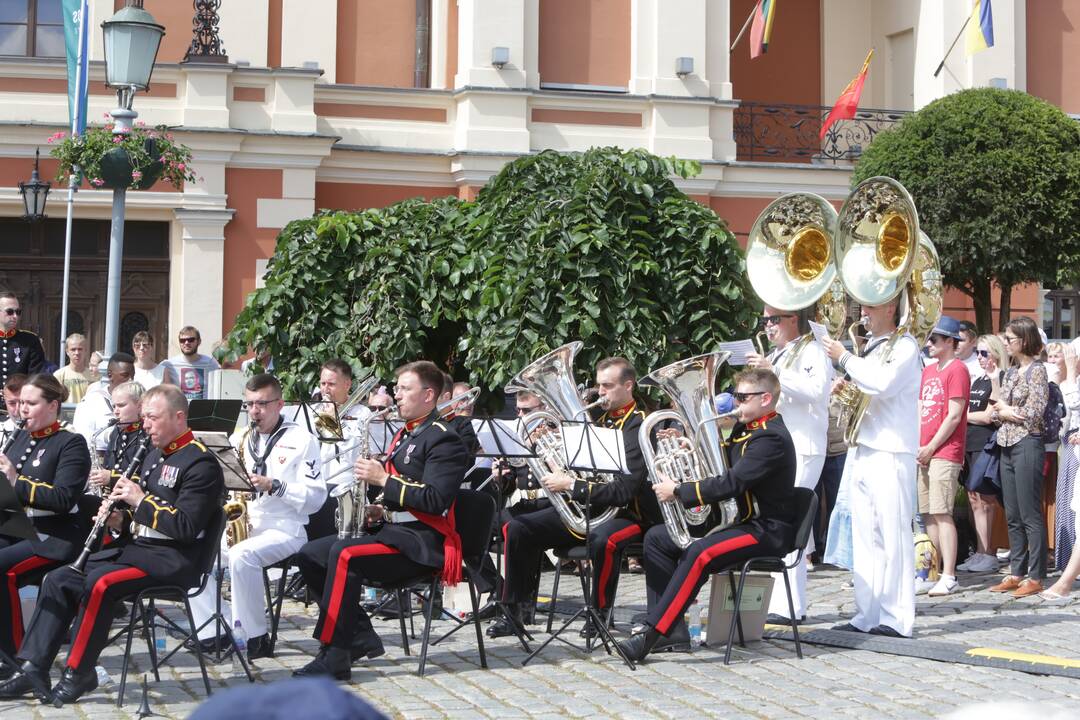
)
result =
(789, 133)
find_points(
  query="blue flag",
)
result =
(76, 36)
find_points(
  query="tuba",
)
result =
(791, 265)
(699, 453)
(881, 254)
(551, 378)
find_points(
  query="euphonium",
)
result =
(698, 453)
(551, 378)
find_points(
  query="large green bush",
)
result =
(599, 246)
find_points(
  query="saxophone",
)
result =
(351, 513)
(237, 520)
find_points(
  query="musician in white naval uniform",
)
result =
(806, 375)
(282, 459)
(880, 472)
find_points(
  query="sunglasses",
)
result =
(774, 319)
(983, 353)
(935, 339)
(13, 311)
(189, 340)
(742, 397)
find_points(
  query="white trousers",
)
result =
(246, 562)
(807, 475)
(882, 486)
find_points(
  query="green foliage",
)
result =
(171, 160)
(995, 175)
(599, 246)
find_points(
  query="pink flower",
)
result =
(117, 139)
(97, 182)
(136, 175)
(180, 166)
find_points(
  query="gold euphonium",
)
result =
(881, 253)
(551, 378)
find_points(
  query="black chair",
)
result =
(805, 502)
(144, 613)
(474, 513)
(578, 555)
(276, 599)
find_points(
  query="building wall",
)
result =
(360, 196)
(790, 72)
(585, 43)
(376, 42)
(1053, 46)
(245, 241)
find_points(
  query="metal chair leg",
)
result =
(127, 652)
(554, 594)
(476, 623)
(401, 621)
(794, 620)
(738, 615)
(198, 648)
(738, 604)
(427, 627)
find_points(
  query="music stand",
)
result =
(236, 479)
(215, 415)
(14, 523)
(592, 449)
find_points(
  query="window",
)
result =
(31, 28)
(1058, 306)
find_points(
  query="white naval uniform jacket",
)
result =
(294, 460)
(891, 423)
(804, 395)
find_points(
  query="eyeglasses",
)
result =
(774, 319)
(144, 344)
(1010, 338)
(983, 353)
(13, 311)
(741, 397)
(247, 405)
(188, 340)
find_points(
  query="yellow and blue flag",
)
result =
(980, 28)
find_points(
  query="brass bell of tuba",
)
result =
(698, 453)
(551, 378)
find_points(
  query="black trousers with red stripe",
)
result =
(674, 576)
(352, 564)
(609, 542)
(89, 600)
(19, 566)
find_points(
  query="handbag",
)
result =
(984, 477)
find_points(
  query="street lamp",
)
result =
(35, 193)
(132, 39)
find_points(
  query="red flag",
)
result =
(848, 102)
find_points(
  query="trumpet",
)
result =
(329, 424)
(98, 530)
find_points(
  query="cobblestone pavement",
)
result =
(765, 680)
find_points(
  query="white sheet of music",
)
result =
(739, 349)
(603, 450)
(820, 331)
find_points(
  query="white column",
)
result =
(205, 94)
(718, 59)
(439, 37)
(293, 105)
(197, 270)
(245, 25)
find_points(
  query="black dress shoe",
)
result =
(487, 612)
(259, 647)
(847, 627)
(73, 686)
(637, 646)
(368, 645)
(677, 640)
(887, 631)
(210, 646)
(6, 671)
(508, 624)
(330, 662)
(29, 679)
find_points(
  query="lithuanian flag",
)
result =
(761, 29)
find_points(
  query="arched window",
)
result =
(131, 323)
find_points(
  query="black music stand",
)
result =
(214, 415)
(14, 523)
(236, 479)
(592, 449)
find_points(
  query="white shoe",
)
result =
(980, 564)
(1003, 555)
(947, 585)
(923, 586)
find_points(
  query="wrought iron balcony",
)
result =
(775, 132)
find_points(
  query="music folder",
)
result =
(214, 415)
(236, 475)
(591, 448)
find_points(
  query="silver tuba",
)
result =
(551, 378)
(699, 453)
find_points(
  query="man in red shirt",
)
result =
(942, 430)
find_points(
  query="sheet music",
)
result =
(820, 331)
(739, 349)
(499, 438)
(236, 475)
(593, 448)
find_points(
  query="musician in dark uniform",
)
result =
(122, 441)
(20, 350)
(460, 424)
(47, 465)
(418, 482)
(527, 536)
(183, 489)
(762, 465)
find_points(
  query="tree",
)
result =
(995, 175)
(598, 245)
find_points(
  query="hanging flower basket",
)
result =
(134, 160)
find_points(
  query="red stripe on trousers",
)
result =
(340, 576)
(31, 563)
(505, 563)
(93, 606)
(707, 555)
(609, 552)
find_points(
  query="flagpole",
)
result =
(744, 26)
(955, 40)
(72, 180)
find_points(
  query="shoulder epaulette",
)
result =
(439, 425)
(199, 445)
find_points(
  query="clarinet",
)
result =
(98, 530)
(10, 439)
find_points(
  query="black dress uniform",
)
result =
(20, 352)
(762, 463)
(526, 536)
(427, 464)
(184, 486)
(52, 465)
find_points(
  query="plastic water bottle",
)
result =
(159, 637)
(103, 678)
(693, 623)
(369, 594)
(240, 638)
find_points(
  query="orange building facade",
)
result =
(361, 103)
